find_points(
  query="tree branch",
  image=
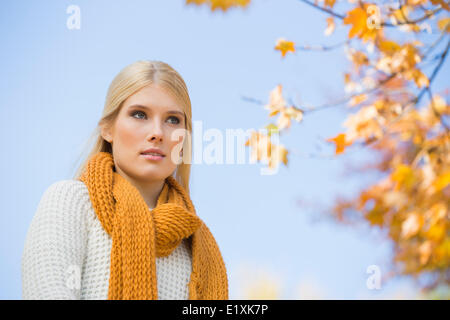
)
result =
(433, 75)
(322, 48)
(384, 24)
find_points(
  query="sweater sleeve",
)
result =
(55, 244)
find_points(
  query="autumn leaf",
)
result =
(262, 149)
(443, 4)
(418, 76)
(340, 142)
(330, 3)
(425, 252)
(397, 118)
(330, 26)
(223, 5)
(278, 154)
(388, 47)
(284, 46)
(411, 225)
(358, 99)
(358, 19)
(444, 24)
(271, 128)
(404, 176)
(376, 215)
(276, 101)
(442, 181)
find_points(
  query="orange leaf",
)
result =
(340, 142)
(224, 5)
(358, 19)
(284, 46)
(442, 181)
(358, 99)
(330, 26)
(330, 3)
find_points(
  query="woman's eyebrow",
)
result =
(147, 108)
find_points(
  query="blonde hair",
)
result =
(128, 81)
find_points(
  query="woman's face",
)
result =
(147, 120)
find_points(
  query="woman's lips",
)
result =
(152, 157)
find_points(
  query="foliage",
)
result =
(389, 49)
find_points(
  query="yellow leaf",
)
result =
(442, 181)
(388, 47)
(444, 24)
(402, 14)
(425, 252)
(404, 176)
(443, 251)
(376, 215)
(436, 232)
(271, 128)
(420, 79)
(284, 46)
(411, 225)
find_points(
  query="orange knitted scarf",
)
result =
(139, 235)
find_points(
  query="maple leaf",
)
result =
(358, 19)
(286, 114)
(284, 46)
(340, 142)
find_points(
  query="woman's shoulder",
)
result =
(67, 189)
(69, 195)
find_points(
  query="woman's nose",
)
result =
(156, 132)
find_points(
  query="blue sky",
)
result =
(52, 94)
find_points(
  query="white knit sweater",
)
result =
(67, 251)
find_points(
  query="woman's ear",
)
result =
(106, 133)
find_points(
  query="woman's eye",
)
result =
(137, 112)
(177, 120)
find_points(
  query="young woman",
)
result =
(125, 226)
